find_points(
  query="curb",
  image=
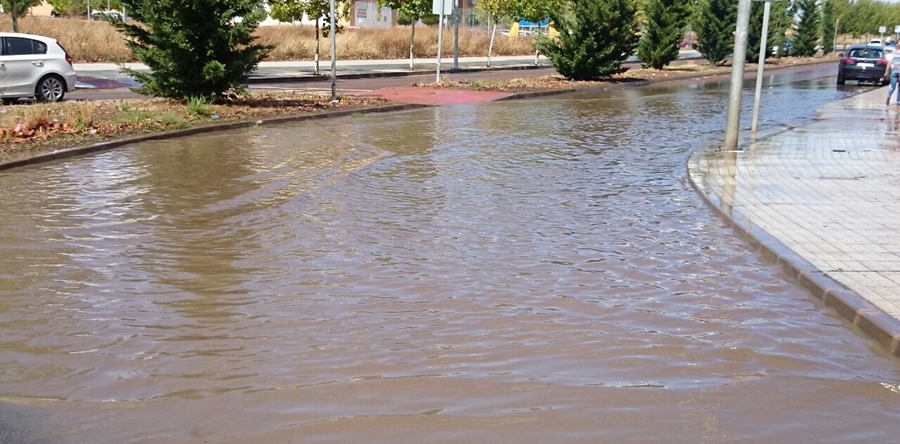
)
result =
(104, 146)
(264, 80)
(870, 319)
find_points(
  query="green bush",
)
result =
(201, 48)
(595, 38)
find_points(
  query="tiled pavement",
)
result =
(824, 198)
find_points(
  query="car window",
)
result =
(13, 46)
(38, 47)
(867, 53)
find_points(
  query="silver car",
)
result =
(34, 66)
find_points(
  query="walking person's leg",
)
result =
(894, 77)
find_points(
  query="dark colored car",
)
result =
(863, 63)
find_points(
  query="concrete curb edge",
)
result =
(870, 319)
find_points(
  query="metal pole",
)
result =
(333, 57)
(763, 49)
(440, 42)
(456, 36)
(737, 75)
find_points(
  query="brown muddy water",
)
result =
(520, 272)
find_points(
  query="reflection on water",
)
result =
(518, 272)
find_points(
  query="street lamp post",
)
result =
(737, 75)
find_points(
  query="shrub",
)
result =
(594, 40)
(199, 48)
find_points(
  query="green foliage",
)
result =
(536, 11)
(407, 19)
(595, 38)
(199, 107)
(194, 49)
(806, 28)
(291, 10)
(663, 31)
(714, 24)
(497, 9)
(828, 25)
(412, 10)
(20, 6)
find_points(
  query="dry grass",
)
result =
(92, 41)
(684, 71)
(85, 41)
(40, 126)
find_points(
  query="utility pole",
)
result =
(763, 49)
(737, 75)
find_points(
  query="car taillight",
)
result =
(69, 59)
(882, 62)
(849, 61)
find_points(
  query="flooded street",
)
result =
(518, 272)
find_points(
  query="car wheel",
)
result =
(50, 89)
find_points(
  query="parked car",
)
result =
(114, 16)
(863, 63)
(876, 42)
(34, 66)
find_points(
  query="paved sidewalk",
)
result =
(824, 198)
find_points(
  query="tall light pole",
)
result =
(333, 56)
(737, 75)
(763, 49)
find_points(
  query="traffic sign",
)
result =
(881, 29)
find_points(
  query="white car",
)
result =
(34, 66)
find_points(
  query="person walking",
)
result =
(893, 70)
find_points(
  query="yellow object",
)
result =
(553, 32)
(514, 30)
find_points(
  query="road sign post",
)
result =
(763, 49)
(441, 8)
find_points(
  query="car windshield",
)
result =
(866, 53)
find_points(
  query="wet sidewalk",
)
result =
(824, 199)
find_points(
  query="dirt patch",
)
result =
(684, 71)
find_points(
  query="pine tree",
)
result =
(828, 25)
(666, 20)
(806, 29)
(715, 24)
(201, 48)
(595, 38)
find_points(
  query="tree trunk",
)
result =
(412, 47)
(491, 45)
(15, 15)
(317, 47)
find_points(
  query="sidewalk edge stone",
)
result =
(870, 319)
